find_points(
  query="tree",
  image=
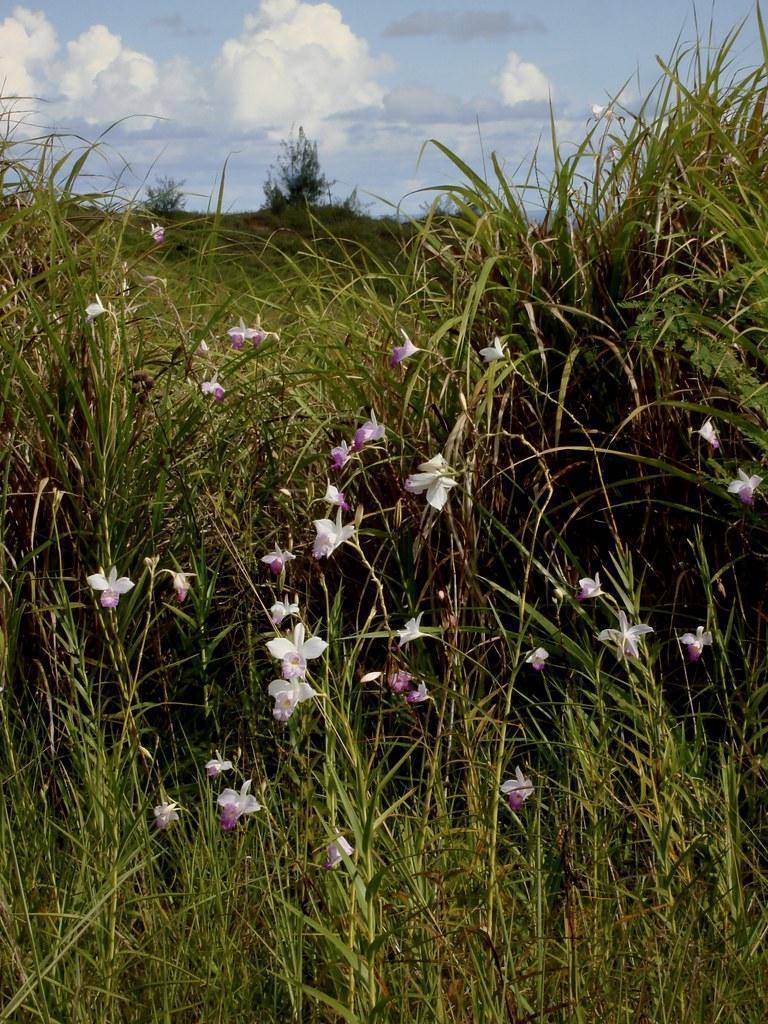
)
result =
(296, 179)
(165, 196)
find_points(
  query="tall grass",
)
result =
(631, 886)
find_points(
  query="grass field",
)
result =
(624, 879)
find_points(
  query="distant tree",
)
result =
(296, 178)
(165, 196)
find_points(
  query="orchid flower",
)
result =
(157, 231)
(94, 309)
(745, 486)
(283, 609)
(336, 497)
(537, 658)
(404, 351)
(234, 805)
(493, 352)
(696, 642)
(277, 559)
(708, 432)
(240, 334)
(212, 387)
(517, 790)
(165, 814)
(335, 849)
(203, 348)
(589, 588)
(625, 636)
(288, 694)
(111, 587)
(295, 653)
(434, 478)
(399, 681)
(181, 583)
(330, 535)
(419, 695)
(215, 767)
(371, 430)
(340, 455)
(411, 631)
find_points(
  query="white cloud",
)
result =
(27, 43)
(522, 82)
(296, 62)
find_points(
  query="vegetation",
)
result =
(297, 179)
(631, 885)
(165, 197)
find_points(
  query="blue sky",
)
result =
(369, 80)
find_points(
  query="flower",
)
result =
(330, 535)
(418, 695)
(212, 387)
(625, 636)
(434, 478)
(203, 348)
(492, 352)
(181, 584)
(336, 497)
(589, 588)
(517, 790)
(708, 432)
(601, 111)
(165, 814)
(335, 850)
(94, 309)
(288, 694)
(399, 681)
(371, 430)
(157, 231)
(277, 559)
(401, 352)
(283, 609)
(112, 588)
(537, 658)
(411, 631)
(240, 334)
(216, 766)
(295, 653)
(745, 486)
(234, 805)
(339, 455)
(696, 642)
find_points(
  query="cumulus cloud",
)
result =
(522, 82)
(295, 61)
(462, 25)
(27, 43)
(415, 104)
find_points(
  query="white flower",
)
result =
(234, 805)
(517, 790)
(295, 653)
(411, 631)
(288, 694)
(216, 766)
(202, 348)
(94, 309)
(330, 535)
(492, 352)
(696, 642)
(336, 497)
(334, 852)
(434, 478)
(625, 636)
(181, 584)
(745, 486)
(111, 587)
(537, 658)
(589, 587)
(709, 434)
(283, 609)
(165, 814)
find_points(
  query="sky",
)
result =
(197, 84)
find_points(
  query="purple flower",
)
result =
(212, 387)
(340, 455)
(294, 654)
(419, 695)
(335, 852)
(517, 790)
(589, 588)
(111, 587)
(277, 559)
(537, 658)
(157, 231)
(696, 642)
(288, 694)
(745, 486)
(371, 430)
(401, 352)
(709, 434)
(336, 497)
(165, 814)
(216, 766)
(399, 681)
(234, 805)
